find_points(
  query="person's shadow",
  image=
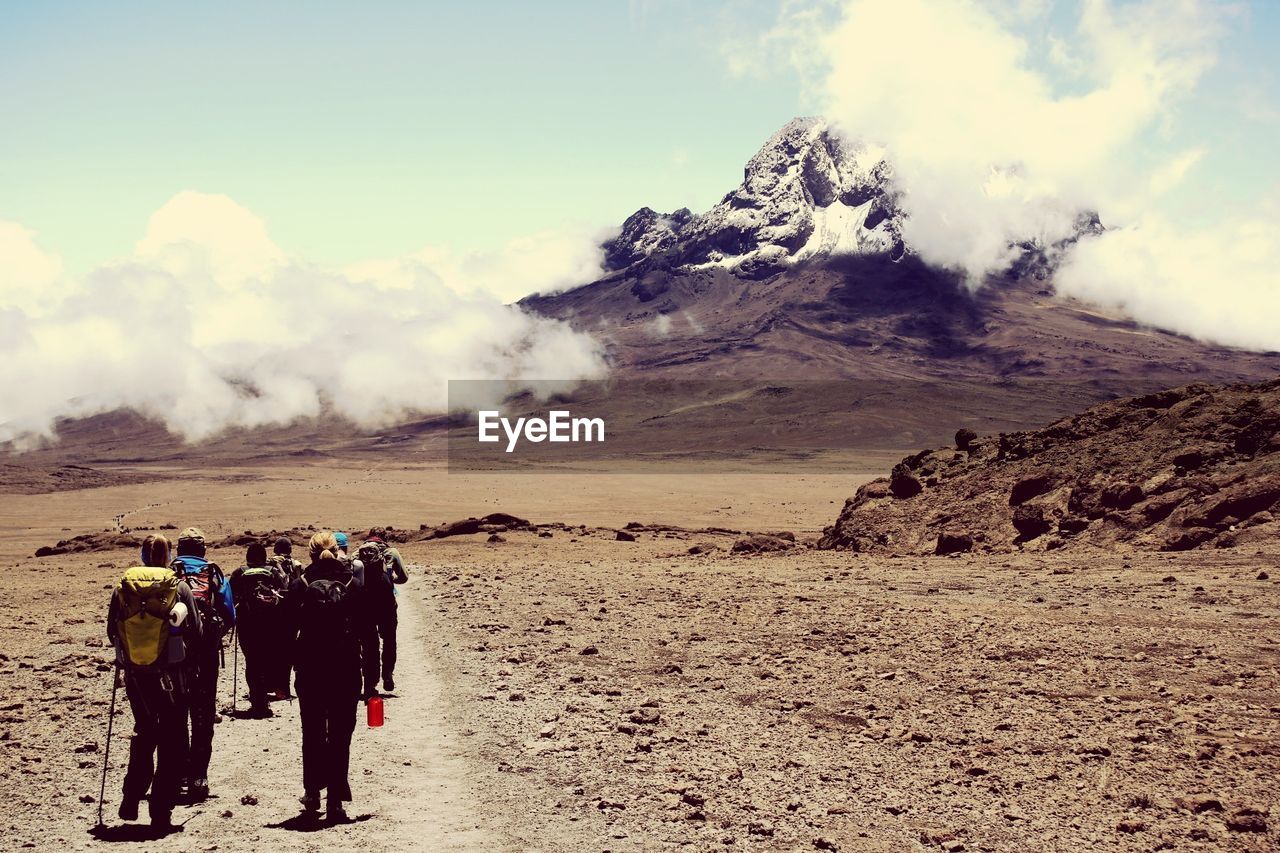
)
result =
(312, 822)
(133, 832)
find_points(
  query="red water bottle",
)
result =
(373, 711)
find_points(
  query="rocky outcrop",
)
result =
(1194, 467)
(807, 192)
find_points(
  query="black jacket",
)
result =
(326, 647)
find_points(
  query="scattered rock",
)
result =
(950, 542)
(645, 716)
(760, 543)
(903, 484)
(624, 536)
(1247, 819)
(1030, 486)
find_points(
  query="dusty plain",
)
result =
(577, 692)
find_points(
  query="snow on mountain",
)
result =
(808, 192)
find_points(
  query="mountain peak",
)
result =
(806, 192)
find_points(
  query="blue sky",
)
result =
(370, 131)
(365, 133)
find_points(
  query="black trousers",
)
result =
(328, 711)
(383, 621)
(260, 660)
(158, 748)
(202, 693)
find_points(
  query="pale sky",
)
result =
(237, 185)
(370, 131)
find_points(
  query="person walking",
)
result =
(282, 672)
(217, 611)
(383, 570)
(282, 557)
(330, 612)
(152, 623)
(258, 590)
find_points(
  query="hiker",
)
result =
(329, 610)
(151, 650)
(217, 611)
(258, 590)
(282, 558)
(343, 540)
(383, 569)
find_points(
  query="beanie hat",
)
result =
(256, 555)
(283, 546)
(341, 538)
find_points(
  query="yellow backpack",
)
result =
(144, 597)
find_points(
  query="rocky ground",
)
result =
(814, 700)
(578, 691)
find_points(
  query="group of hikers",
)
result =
(331, 625)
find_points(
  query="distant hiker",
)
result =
(330, 611)
(153, 622)
(258, 590)
(282, 557)
(217, 611)
(383, 569)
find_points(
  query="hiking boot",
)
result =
(162, 819)
(388, 683)
(310, 801)
(199, 791)
(261, 713)
(128, 810)
(335, 812)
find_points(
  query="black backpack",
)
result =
(326, 611)
(263, 590)
(377, 566)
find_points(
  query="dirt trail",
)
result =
(410, 779)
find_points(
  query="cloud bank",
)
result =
(209, 325)
(1000, 130)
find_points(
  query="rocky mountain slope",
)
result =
(802, 272)
(1194, 467)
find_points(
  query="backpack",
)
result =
(144, 597)
(206, 586)
(290, 567)
(376, 565)
(264, 593)
(325, 611)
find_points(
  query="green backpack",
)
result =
(144, 598)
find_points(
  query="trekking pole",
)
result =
(235, 669)
(106, 751)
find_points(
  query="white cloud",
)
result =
(953, 93)
(543, 263)
(1218, 283)
(210, 325)
(29, 277)
(1001, 129)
